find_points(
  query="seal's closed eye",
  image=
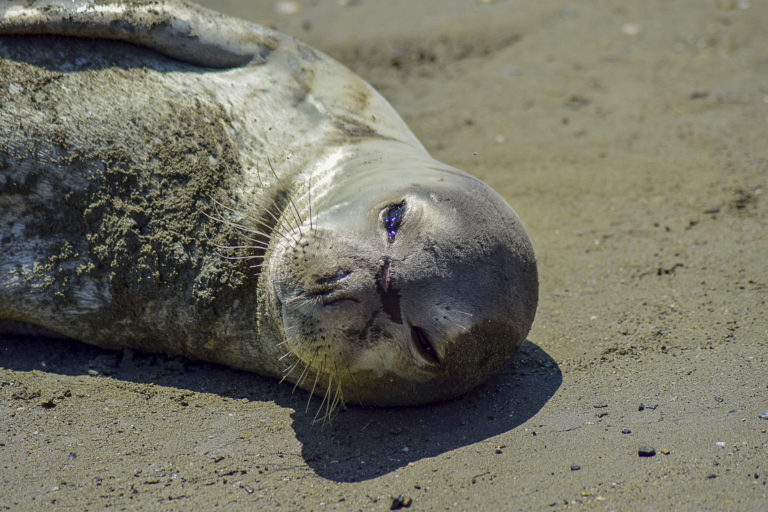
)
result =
(393, 217)
(423, 346)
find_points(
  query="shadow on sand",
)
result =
(359, 443)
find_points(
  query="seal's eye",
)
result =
(393, 217)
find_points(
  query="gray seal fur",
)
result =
(175, 180)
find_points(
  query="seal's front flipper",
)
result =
(175, 28)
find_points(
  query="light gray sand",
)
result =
(632, 141)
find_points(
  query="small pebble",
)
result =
(718, 399)
(398, 501)
(712, 475)
(646, 451)
(600, 406)
(626, 431)
(641, 407)
(575, 467)
(47, 404)
(763, 415)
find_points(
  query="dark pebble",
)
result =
(641, 407)
(398, 501)
(626, 431)
(711, 475)
(646, 451)
(602, 414)
(718, 399)
(575, 467)
(600, 406)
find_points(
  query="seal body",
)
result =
(174, 180)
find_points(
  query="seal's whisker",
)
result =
(291, 208)
(240, 214)
(243, 228)
(309, 200)
(454, 322)
(277, 227)
(294, 211)
(243, 257)
(300, 380)
(312, 392)
(338, 397)
(241, 248)
(288, 371)
(278, 222)
(325, 402)
(255, 241)
(354, 384)
(294, 300)
(304, 375)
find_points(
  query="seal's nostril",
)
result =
(385, 274)
(390, 296)
(423, 345)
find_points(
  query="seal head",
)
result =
(404, 294)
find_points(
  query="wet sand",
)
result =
(631, 140)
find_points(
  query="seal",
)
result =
(175, 180)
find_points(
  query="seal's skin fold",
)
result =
(152, 152)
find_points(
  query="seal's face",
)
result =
(408, 295)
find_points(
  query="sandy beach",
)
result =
(632, 140)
